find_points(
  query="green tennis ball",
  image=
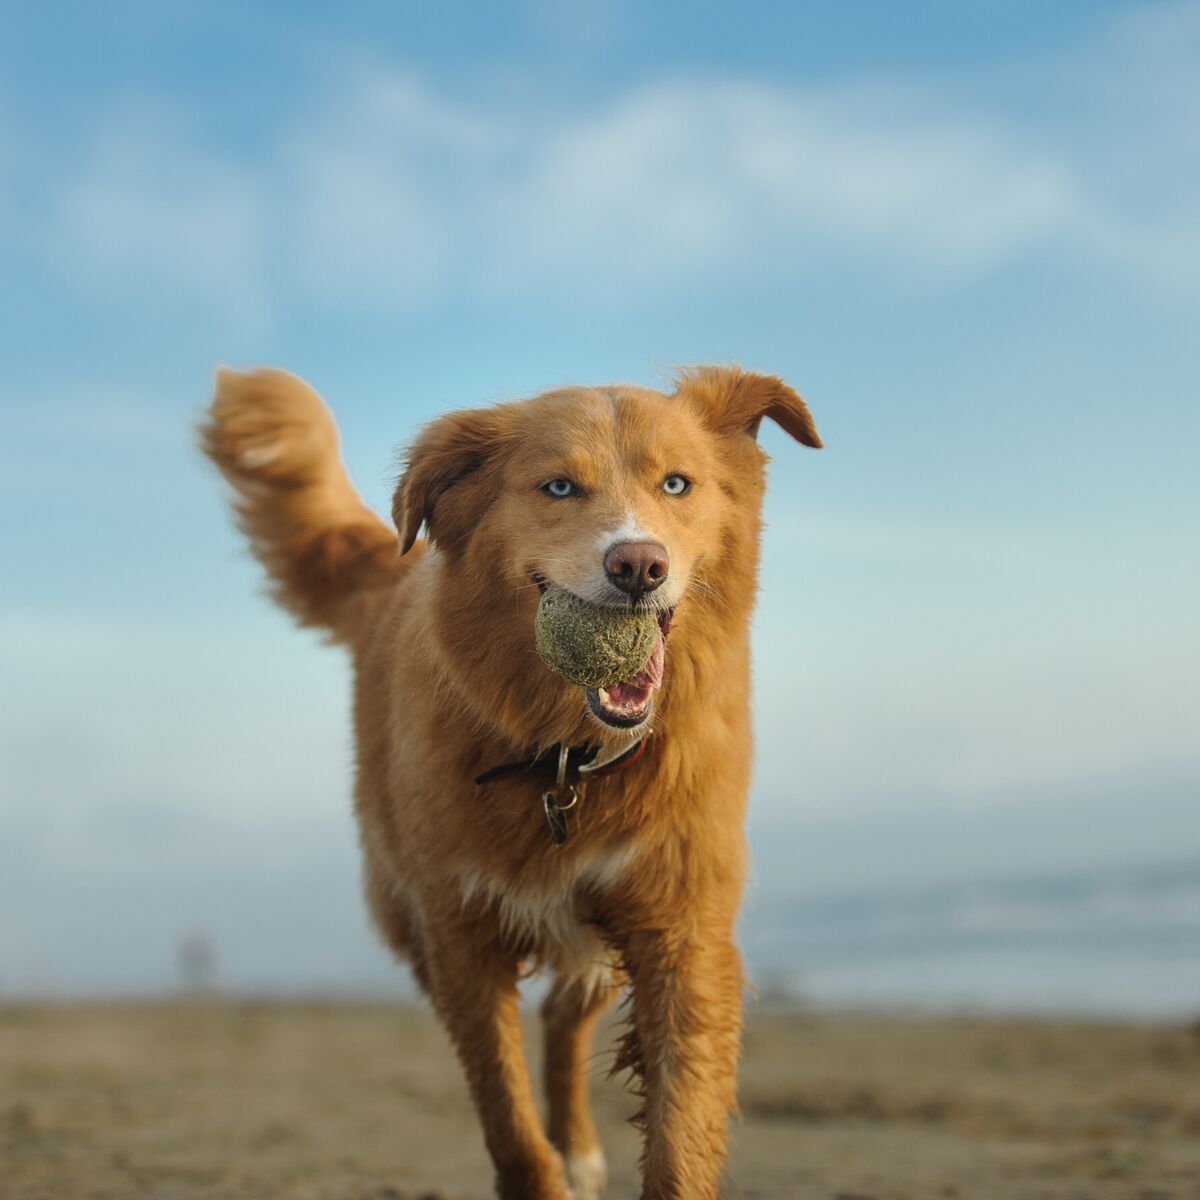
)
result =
(590, 645)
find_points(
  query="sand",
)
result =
(364, 1102)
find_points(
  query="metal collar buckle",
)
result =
(560, 799)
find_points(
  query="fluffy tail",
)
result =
(326, 553)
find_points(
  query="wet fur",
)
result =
(463, 881)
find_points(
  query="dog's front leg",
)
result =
(569, 1014)
(687, 1021)
(473, 983)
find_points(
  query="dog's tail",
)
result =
(326, 553)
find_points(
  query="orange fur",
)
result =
(464, 881)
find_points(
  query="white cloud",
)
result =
(399, 193)
(379, 194)
(149, 206)
(695, 176)
(404, 191)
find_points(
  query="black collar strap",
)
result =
(585, 761)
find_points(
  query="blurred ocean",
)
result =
(1088, 905)
(1098, 940)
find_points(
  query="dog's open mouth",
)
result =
(629, 703)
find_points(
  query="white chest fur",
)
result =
(552, 916)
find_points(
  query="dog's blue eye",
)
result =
(559, 488)
(676, 485)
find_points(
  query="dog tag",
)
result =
(556, 818)
(556, 813)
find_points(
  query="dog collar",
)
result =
(582, 762)
(585, 761)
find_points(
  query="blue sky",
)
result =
(968, 234)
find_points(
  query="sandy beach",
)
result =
(250, 1101)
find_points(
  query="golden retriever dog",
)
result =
(509, 818)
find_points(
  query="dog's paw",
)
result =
(587, 1173)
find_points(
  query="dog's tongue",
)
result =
(649, 677)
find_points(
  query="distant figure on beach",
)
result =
(198, 964)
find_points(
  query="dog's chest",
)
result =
(553, 916)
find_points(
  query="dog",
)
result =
(507, 817)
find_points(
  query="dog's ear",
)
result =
(731, 400)
(446, 452)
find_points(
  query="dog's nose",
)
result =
(637, 567)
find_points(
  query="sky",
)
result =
(969, 235)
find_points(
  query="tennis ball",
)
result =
(591, 645)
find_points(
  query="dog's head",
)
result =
(624, 496)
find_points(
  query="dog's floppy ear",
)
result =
(446, 451)
(731, 400)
